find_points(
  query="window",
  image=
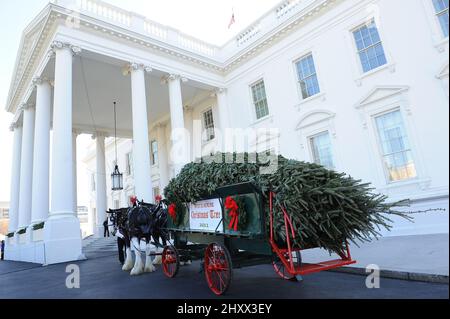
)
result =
(370, 48)
(93, 182)
(321, 150)
(6, 213)
(307, 76)
(441, 10)
(208, 124)
(260, 100)
(397, 155)
(129, 163)
(154, 152)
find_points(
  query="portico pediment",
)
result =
(380, 93)
(30, 45)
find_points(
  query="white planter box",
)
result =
(38, 235)
(22, 238)
(11, 240)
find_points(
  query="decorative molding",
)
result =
(315, 117)
(58, 45)
(56, 14)
(443, 72)
(97, 134)
(173, 77)
(379, 93)
(135, 66)
(26, 106)
(218, 91)
(13, 126)
(41, 80)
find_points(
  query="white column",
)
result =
(74, 160)
(62, 235)
(163, 158)
(222, 107)
(26, 167)
(179, 137)
(15, 178)
(141, 145)
(41, 160)
(100, 184)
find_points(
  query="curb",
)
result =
(402, 275)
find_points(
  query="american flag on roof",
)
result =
(232, 20)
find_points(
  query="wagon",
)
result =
(202, 233)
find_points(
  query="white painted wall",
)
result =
(415, 80)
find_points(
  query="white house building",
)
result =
(360, 86)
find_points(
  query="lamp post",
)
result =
(116, 176)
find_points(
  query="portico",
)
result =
(71, 92)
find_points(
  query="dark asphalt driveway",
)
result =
(102, 277)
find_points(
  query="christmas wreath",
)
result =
(236, 215)
(176, 213)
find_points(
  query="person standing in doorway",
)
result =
(106, 229)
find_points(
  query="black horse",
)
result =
(143, 221)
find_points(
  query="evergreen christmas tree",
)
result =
(326, 207)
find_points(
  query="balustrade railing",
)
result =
(139, 24)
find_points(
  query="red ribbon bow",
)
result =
(232, 206)
(173, 211)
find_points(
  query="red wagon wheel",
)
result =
(170, 261)
(281, 270)
(218, 268)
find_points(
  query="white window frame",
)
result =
(359, 74)
(252, 104)
(202, 114)
(321, 96)
(128, 165)
(311, 150)
(312, 124)
(439, 41)
(437, 22)
(93, 182)
(437, 14)
(297, 76)
(368, 111)
(381, 154)
(357, 51)
(153, 161)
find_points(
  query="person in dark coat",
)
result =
(120, 247)
(2, 249)
(106, 229)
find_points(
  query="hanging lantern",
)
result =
(116, 176)
(117, 179)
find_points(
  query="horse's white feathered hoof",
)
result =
(149, 268)
(136, 271)
(188, 262)
(157, 260)
(128, 265)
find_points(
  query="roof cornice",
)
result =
(53, 15)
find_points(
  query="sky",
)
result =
(205, 19)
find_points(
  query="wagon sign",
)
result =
(205, 215)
